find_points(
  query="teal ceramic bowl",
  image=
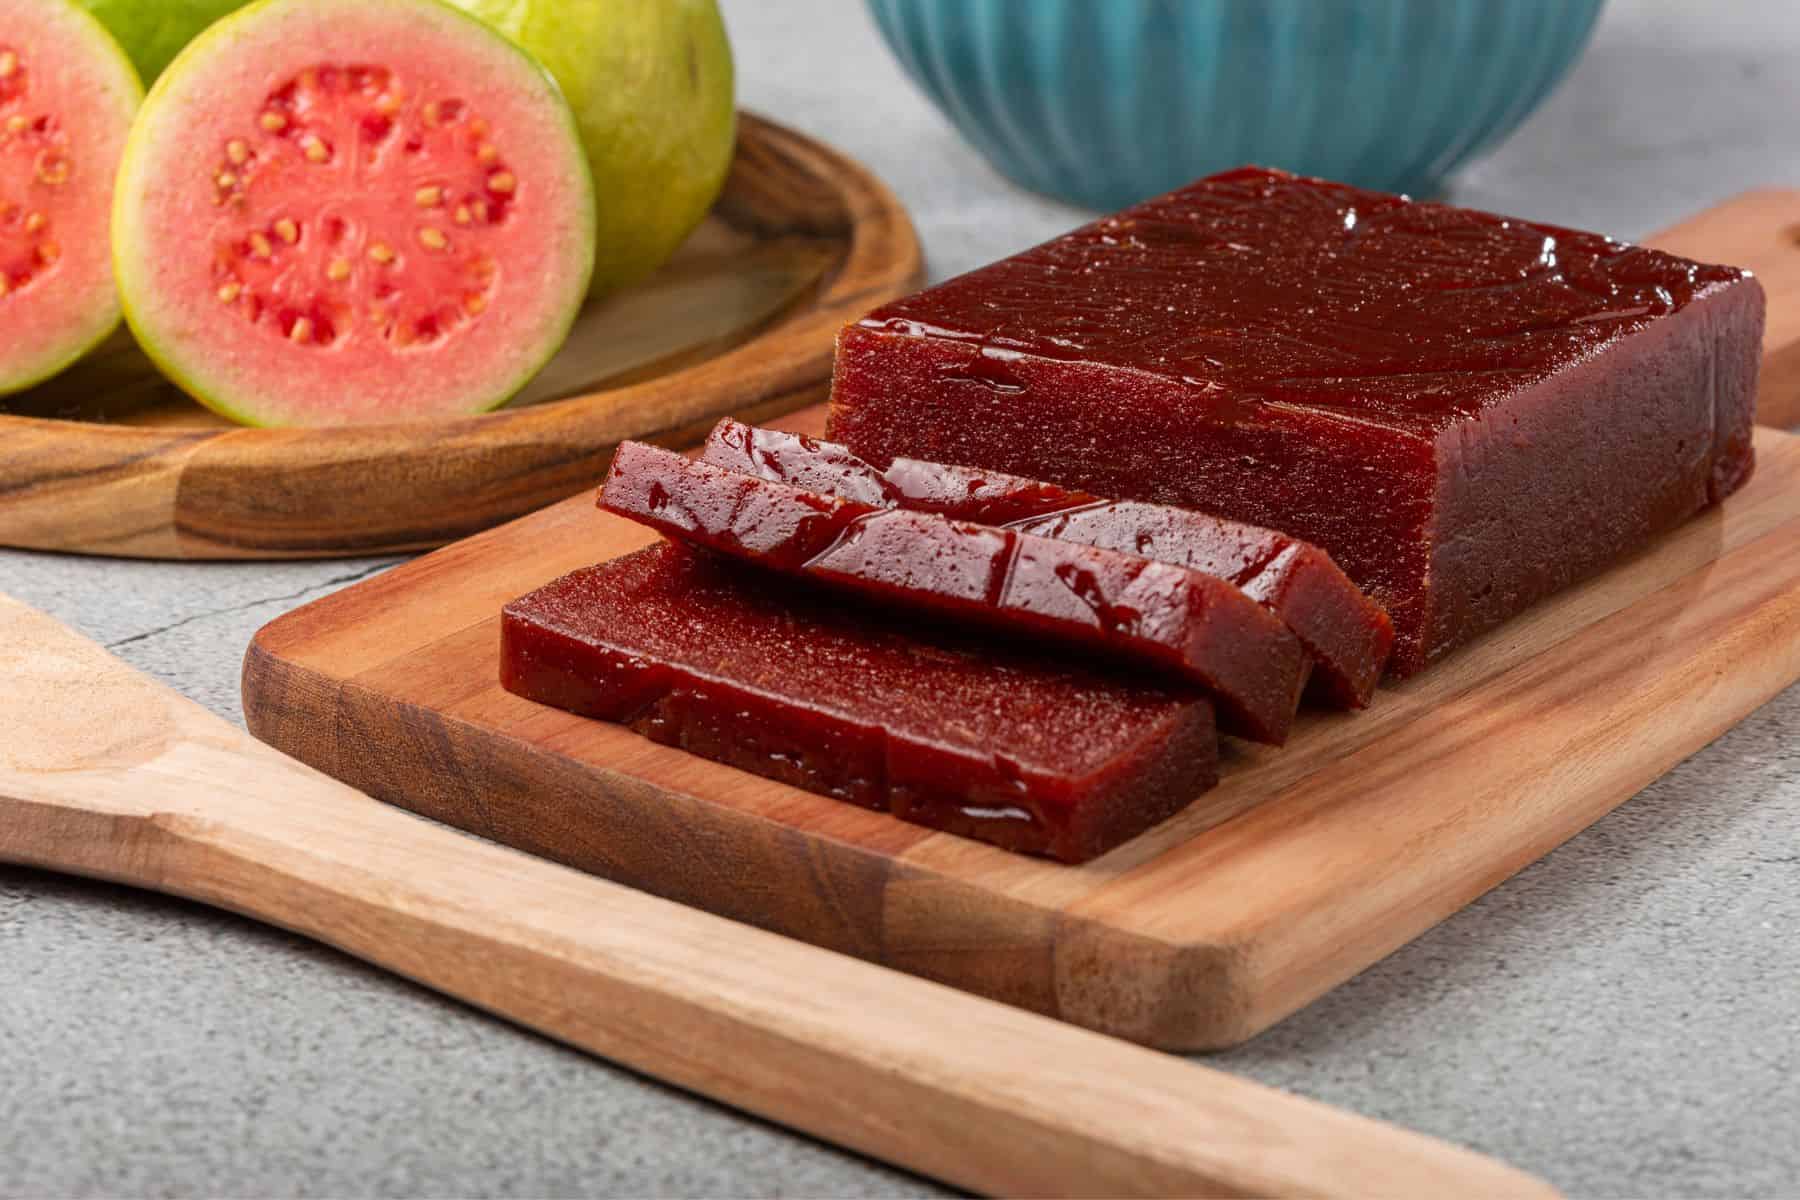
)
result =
(1106, 102)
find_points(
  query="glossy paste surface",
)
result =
(779, 678)
(1347, 635)
(1134, 614)
(1467, 411)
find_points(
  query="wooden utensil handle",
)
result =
(129, 782)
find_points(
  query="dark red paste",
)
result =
(1119, 606)
(1467, 412)
(776, 677)
(1348, 636)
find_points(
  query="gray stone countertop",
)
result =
(1622, 1018)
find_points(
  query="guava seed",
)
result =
(53, 168)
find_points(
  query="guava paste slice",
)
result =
(772, 676)
(67, 97)
(1347, 634)
(1141, 617)
(337, 212)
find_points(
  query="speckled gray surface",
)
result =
(1622, 1018)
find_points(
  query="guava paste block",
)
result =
(1134, 613)
(778, 678)
(1468, 412)
(1348, 635)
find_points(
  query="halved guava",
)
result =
(67, 96)
(338, 212)
(651, 82)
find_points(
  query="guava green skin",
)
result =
(17, 380)
(153, 32)
(653, 89)
(651, 83)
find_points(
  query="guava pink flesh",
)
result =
(364, 221)
(66, 104)
(302, 269)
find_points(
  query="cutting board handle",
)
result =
(106, 773)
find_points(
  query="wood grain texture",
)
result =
(110, 459)
(1305, 866)
(1759, 230)
(106, 773)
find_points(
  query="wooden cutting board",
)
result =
(1305, 866)
(109, 458)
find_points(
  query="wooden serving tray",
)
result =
(111, 459)
(1305, 866)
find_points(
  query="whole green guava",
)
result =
(652, 86)
(153, 32)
